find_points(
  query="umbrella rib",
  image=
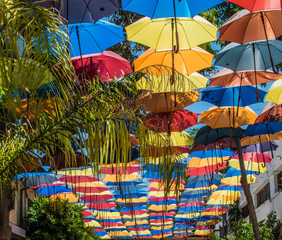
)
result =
(155, 8)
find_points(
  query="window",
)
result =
(245, 211)
(263, 195)
(279, 182)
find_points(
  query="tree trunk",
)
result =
(247, 192)
(6, 205)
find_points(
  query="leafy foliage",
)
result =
(48, 219)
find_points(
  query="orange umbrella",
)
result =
(165, 102)
(185, 61)
(228, 78)
(261, 138)
(245, 26)
(220, 117)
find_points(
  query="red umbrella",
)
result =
(170, 121)
(161, 220)
(78, 179)
(255, 157)
(90, 189)
(273, 114)
(192, 204)
(193, 171)
(163, 214)
(222, 143)
(136, 212)
(87, 213)
(101, 206)
(112, 224)
(94, 198)
(120, 170)
(258, 5)
(106, 65)
(161, 199)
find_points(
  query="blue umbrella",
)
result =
(51, 190)
(165, 8)
(260, 148)
(34, 179)
(87, 38)
(213, 178)
(232, 96)
(75, 11)
(263, 128)
(213, 153)
(250, 56)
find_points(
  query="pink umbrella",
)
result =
(106, 66)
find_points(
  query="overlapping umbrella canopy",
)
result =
(136, 200)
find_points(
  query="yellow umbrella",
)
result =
(132, 200)
(121, 177)
(162, 186)
(144, 232)
(261, 138)
(163, 84)
(169, 223)
(274, 92)
(236, 180)
(204, 162)
(161, 227)
(213, 187)
(159, 33)
(70, 197)
(105, 237)
(89, 184)
(188, 215)
(161, 194)
(220, 117)
(161, 236)
(162, 207)
(136, 216)
(157, 102)
(223, 197)
(93, 223)
(77, 172)
(119, 233)
(158, 160)
(220, 202)
(185, 61)
(164, 139)
(210, 222)
(133, 223)
(203, 232)
(249, 166)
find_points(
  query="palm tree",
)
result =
(34, 52)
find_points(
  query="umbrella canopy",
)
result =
(164, 8)
(180, 84)
(120, 170)
(165, 102)
(232, 96)
(263, 128)
(250, 56)
(273, 114)
(89, 38)
(33, 179)
(228, 78)
(203, 162)
(184, 62)
(69, 196)
(258, 5)
(245, 27)
(249, 166)
(262, 138)
(228, 117)
(82, 11)
(209, 169)
(255, 157)
(158, 33)
(51, 190)
(274, 92)
(206, 135)
(174, 122)
(106, 66)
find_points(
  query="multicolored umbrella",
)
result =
(159, 33)
(185, 61)
(105, 66)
